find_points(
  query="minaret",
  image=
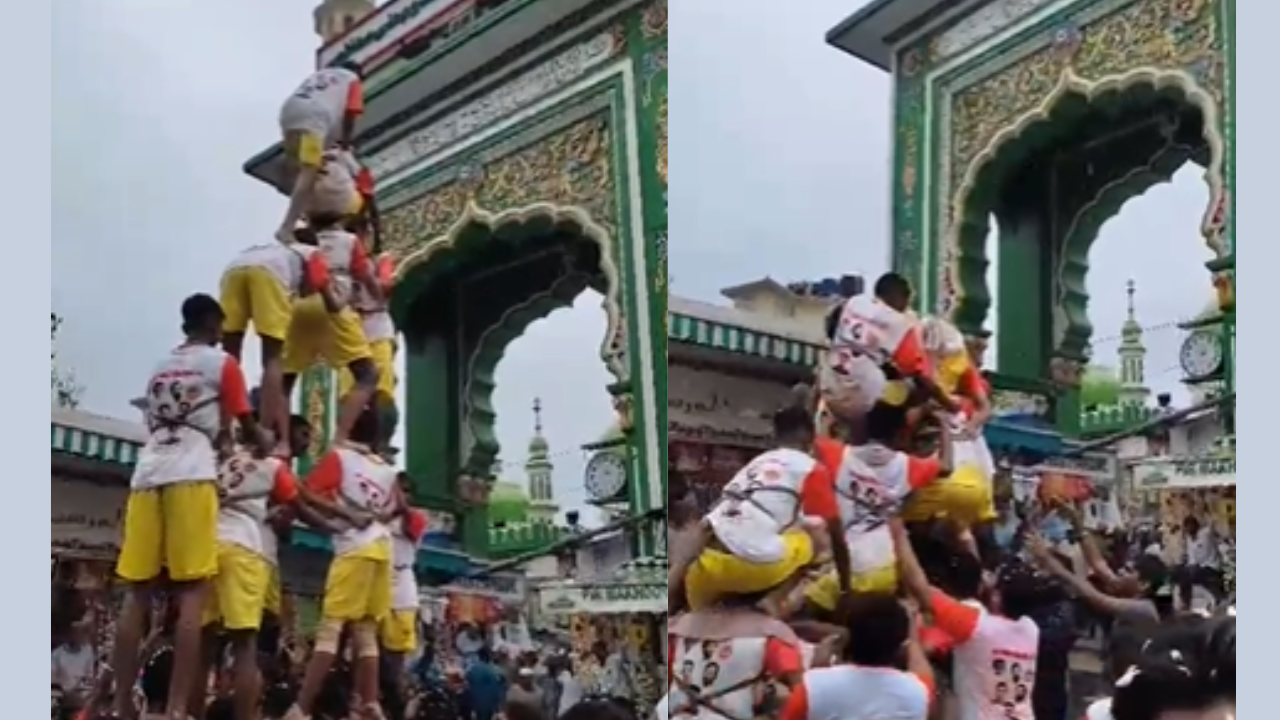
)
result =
(334, 17)
(1133, 357)
(539, 470)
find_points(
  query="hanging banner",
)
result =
(1187, 474)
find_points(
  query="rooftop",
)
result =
(871, 33)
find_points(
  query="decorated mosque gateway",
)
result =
(519, 150)
(1047, 116)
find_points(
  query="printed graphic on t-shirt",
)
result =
(1012, 677)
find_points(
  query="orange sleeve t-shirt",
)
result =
(284, 489)
(956, 619)
(909, 357)
(355, 99)
(922, 472)
(818, 494)
(415, 524)
(325, 478)
(233, 391)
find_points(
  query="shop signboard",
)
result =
(603, 599)
(1185, 474)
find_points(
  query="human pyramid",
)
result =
(213, 493)
(810, 540)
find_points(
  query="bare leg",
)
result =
(312, 683)
(208, 663)
(187, 644)
(275, 403)
(248, 683)
(128, 645)
(233, 344)
(298, 199)
(367, 675)
(357, 400)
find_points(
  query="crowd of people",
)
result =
(873, 565)
(213, 493)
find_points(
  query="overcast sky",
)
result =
(780, 145)
(156, 106)
(781, 152)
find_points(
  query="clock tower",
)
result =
(1203, 357)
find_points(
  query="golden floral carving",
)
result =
(653, 22)
(1165, 35)
(572, 168)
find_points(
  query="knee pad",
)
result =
(364, 638)
(327, 636)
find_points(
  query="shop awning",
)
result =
(740, 340)
(95, 437)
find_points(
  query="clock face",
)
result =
(1201, 354)
(606, 476)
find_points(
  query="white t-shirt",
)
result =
(405, 537)
(285, 263)
(74, 669)
(570, 691)
(319, 105)
(366, 485)
(184, 414)
(248, 487)
(1202, 550)
(760, 503)
(995, 669)
(847, 692)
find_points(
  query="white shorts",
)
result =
(307, 115)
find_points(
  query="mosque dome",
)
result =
(508, 503)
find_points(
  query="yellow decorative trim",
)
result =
(1069, 83)
(579, 220)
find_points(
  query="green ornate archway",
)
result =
(470, 245)
(1048, 121)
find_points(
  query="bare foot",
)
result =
(282, 451)
(284, 236)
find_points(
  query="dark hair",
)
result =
(833, 321)
(1188, 665)
(793, 421)
(200, 312)
(884, 422)
(1152, 572)
(222, 708)
(892, 284)
(597, 710)
(878, 626)
(351, 66)
(519, 710)
(1024, 589)
(306, 235)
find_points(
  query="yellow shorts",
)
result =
(239, 590)
(272, 602)
(317, 335)
(173, 528)
(825, 591)
(716, 574)
(384, 358)
(305, 149)
(359, 585)
(254, 295)
(965, 497)
(398, 631)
